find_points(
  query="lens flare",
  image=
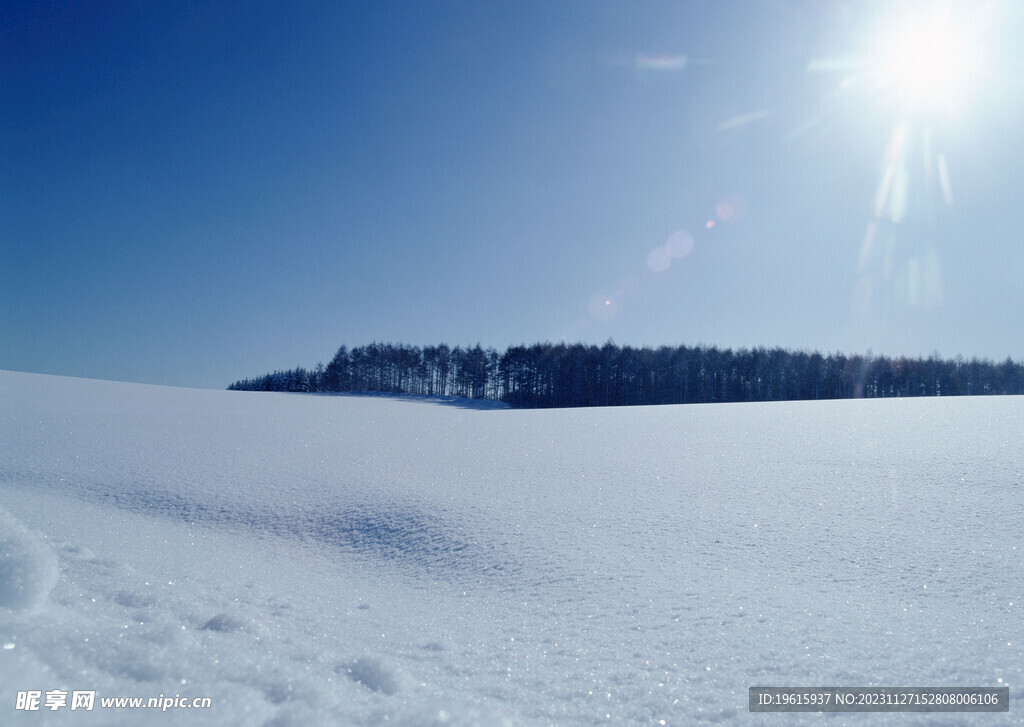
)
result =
(731, 209)
(944, 183)
(603, 306)
(738, 122)
(679, 244)
(659, 62)
(659, 260)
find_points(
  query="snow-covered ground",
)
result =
(306, 560)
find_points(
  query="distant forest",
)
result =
(563, 375)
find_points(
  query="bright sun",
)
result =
(927, 61)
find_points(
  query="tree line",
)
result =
(565, 375)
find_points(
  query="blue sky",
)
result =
(192, 193)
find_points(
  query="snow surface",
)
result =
(307, 560)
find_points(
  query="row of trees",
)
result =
(561, 375)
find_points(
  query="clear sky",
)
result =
(193, 193)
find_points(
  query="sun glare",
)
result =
(926, 64)
(927, 61)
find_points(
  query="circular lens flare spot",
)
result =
(679, 244)
(730, 209)
(659, 259)
(603, 306)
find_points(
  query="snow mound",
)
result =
(28, 566)
(416, 536)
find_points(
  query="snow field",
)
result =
(362, 560)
